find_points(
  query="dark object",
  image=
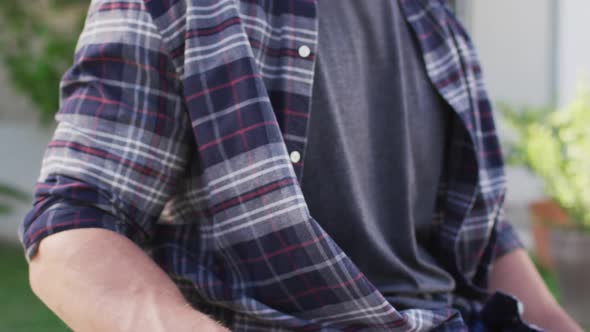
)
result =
(502, 313)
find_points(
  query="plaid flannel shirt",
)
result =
(175, 128)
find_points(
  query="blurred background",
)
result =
(536, 61)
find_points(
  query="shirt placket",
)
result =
(300, 58)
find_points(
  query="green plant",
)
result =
(20, 309)
(556, 147)
(7, 194)
(37, 45)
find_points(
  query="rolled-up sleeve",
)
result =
(507, 239)
(123, 135)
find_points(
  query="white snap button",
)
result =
(295, 156)
(304, 51)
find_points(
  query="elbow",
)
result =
(39, 274)
(47, 264)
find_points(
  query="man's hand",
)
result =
(514, 273)
(97, 280)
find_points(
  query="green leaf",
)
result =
(7, 191)
(5, 209)
(36, 56)
(555, 145)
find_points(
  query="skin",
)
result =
(97, 280)
(514, 273)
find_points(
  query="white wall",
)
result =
(534, 52)
(22, 142)
(514, 41)
(574, 48)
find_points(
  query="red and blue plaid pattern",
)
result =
(175, 128)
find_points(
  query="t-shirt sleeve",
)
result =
(507, 239)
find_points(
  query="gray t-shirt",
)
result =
(376, 149)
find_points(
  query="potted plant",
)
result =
(555, 146)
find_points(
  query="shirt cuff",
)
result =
(66, 215)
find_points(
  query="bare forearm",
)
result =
(514, 273)
(96, 280)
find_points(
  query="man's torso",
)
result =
(375, 153)
(215, 96)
